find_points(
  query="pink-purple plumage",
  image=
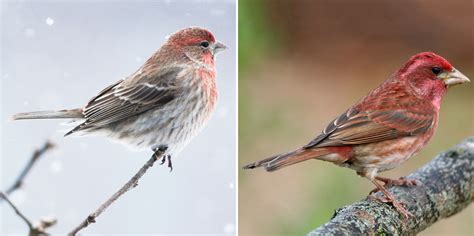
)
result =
(385, 128)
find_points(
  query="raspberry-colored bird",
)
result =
(385, 128)
(165, 102)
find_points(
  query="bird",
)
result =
(383, 129)
(162, 105)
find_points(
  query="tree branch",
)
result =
(17, 211)
(133, 182)
(39, 229)
(35, 157)
(447, 188)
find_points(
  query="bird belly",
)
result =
(173, 125)
(384, 155)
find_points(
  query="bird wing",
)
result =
(130, 97)
(363, 124)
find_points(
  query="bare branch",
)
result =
(39, 229)
(133, 182)
(447, 188)
(34, 158)
(17, 211)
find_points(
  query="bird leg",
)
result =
(170, 165)
(389, 198)
(167, 158)
(395, 182)
(163, 159)
(162, 148)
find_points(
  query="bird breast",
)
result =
(386, 155)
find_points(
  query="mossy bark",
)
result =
(447, 188)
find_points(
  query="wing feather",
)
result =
(126, 98)
(399, 116)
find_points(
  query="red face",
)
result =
(430, 75)
(198, 44)
(425, 72)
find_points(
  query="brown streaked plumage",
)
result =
(166, 102)
(385, 128)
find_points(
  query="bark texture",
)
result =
(447, 188)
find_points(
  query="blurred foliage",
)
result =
(256, 36)
(303, 62)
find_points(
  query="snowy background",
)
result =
(57, 55)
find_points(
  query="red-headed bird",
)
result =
(165, 103)
(385, 128)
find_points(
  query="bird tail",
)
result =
(62, 114)
(286, 159)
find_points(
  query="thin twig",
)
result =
(40, 229)
(34, 158)
(133, 182)
(17, 211)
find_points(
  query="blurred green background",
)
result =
(302, 63)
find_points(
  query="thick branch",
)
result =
(34, 158)
(447, 188)
(130, 184)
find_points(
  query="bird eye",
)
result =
(436, 70)
(204, 44)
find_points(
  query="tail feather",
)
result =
(62, 114)
(286, 159)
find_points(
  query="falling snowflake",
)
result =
(138, 59)
(229, 228)
(56, 166)
(231, 185)
(49, 21)
(29, 33)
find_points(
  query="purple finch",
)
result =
(385, 128)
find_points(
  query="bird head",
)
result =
(198, 45)
(430, 75)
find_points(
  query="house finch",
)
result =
(385, 128)
(164, 103)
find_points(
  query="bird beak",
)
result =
(218, 47)
(455, 77)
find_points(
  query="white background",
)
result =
(63, 61)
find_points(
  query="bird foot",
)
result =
(164, 157)
(167, 158)
(398, 205)
(395, 182)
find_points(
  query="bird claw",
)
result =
(167, 158)
(399, 206)
(405, 182)
(170, 165)
(163, 160)
(163, 148)
(396, 182)
(383, 199)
